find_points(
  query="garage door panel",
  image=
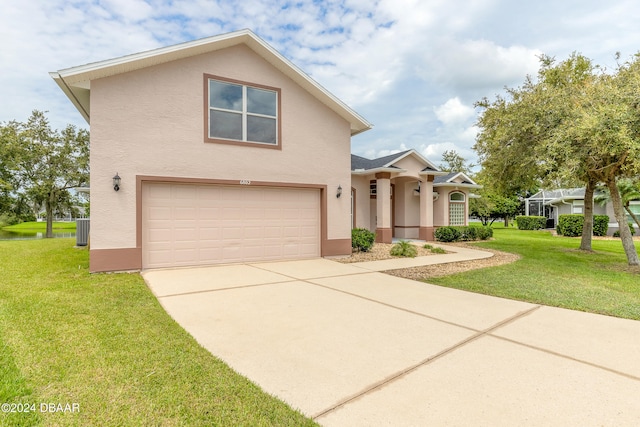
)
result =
(186, 213)
(206, 224)
(159, 213)
(210, 233)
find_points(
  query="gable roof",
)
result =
(360, 164)
(75, 82)
(450, 179)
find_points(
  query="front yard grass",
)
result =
(552, 271)
(104, 342)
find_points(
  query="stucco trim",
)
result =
(205, 121)
(384, 235)
(354, 203)
(427, 233)
(336, 247)
(121, 259)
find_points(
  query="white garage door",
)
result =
(184, 224)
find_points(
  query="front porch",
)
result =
(405, 196)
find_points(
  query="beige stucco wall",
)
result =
(407, 210)
(363, 204)
(441, 206)
(412, 166)
(150, 122)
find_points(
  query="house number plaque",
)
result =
(245, 182)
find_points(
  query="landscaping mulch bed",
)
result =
(439, 270)
(378, 252)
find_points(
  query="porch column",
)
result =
(426, 209)
(384, 233)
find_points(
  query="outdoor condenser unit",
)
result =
(82, 231)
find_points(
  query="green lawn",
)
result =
(104, 342)
(40, 226)
(552, 271)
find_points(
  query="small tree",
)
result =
(454, 162)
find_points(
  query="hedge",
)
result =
(463, 233)
(600, 225)
(570, 225)
(531, 222)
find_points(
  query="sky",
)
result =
(412, 68)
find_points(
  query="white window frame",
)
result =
(577, 207)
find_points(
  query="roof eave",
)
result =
(376, 170)
(73, 95)
(416, 154)
(434, 173)
(456, 184)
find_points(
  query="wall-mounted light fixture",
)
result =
(116, 182)
(339, 192)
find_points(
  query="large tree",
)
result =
(47, 163)
(575, 123)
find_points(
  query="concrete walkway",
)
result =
(350, 346)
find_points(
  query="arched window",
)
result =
(457, 208)
(456, 197)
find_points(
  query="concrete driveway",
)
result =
(349, 346)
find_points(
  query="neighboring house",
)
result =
(404, 195)
(553, 203)
(227, 152)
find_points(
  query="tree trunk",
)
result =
(632, 215)
(625, 233)
(506, 222)
(587, 228)
(49, 211)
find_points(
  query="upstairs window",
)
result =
(242, 113)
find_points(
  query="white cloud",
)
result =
(453, 112)
(478, 64)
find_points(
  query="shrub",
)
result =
(571, 225)
(531, 222)
(427, 246)
(631, 229)
(464, 233)
(438, 251)
(600, 225)
(362, 239)
(468, 233)
(404, 249)
(485, 233)
(8, 219)
(447, 234)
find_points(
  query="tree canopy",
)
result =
(575, 123)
